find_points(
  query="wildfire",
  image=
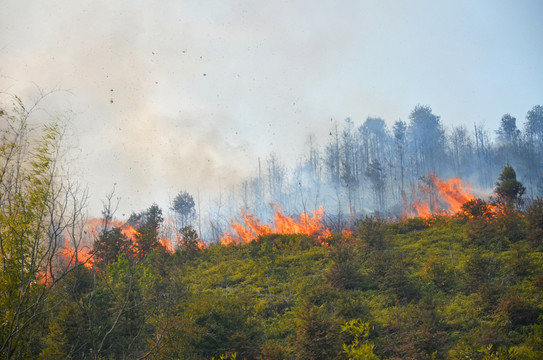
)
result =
(80, 255)
(252, 227)
(168, 236)
(167, 244)
(443, 198)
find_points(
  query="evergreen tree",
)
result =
(508, 189)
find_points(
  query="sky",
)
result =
(173, 95)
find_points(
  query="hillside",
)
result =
(457, 287)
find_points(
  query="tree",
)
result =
(344, 272)
(508, 132)
(426, 139)
(534, 215)
(375, 139)
(110, 244)
(534, 127)
(184, 208)
(377, 177)
(147, 225)
(316, 333)
(508, 189)
(461, 148)
(360, 331)
(40, 209)
(349, 165)
(276, 178)
(509, 139)
(189, 241)
(484, 155)
(533, 151)
(333, 156)
(400, 142)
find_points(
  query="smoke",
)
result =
(189, 95)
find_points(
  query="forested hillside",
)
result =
(463, 283)
(439, 287)
(468, 286)
(376, 164)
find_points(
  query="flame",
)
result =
(252, 227)
(129, 231)
(75, 256)
(43, 277)
(445, 198)
(167, 243)
(168, 236)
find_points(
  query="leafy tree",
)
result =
(377, 178)
(344, 272)
(534, 124)
(508, 132)
(482, 274)
(461, 148)
(110, 244)
(222, 325)
(426, 139)
(148, 225)
(316, 334)
(534, 215)
(39, 208)
(372, 232)
(189, 241)
(508, 189)
(396, 282)
(358, 350)
(184, 207)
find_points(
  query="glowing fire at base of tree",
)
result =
(251, 228)
(444, 198)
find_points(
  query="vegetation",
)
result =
(449, 290)
(468, 286)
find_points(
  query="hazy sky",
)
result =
(170, 95)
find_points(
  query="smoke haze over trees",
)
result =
(367, 168)
(453, 287)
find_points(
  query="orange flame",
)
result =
(81, 255)
(252, 227)
(167, 244)
(446, 198)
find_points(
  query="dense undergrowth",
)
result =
(444, 288)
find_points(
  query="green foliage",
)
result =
(476, 208)
(489, 353)
(534, 216)
(147, 224)
(37, 207)
(317, 333)
(344, 271)
(359, 348)
(508, 189)
(184, 207)
(443, 288)
(232, 356)
(428, 293)
(110, 244)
